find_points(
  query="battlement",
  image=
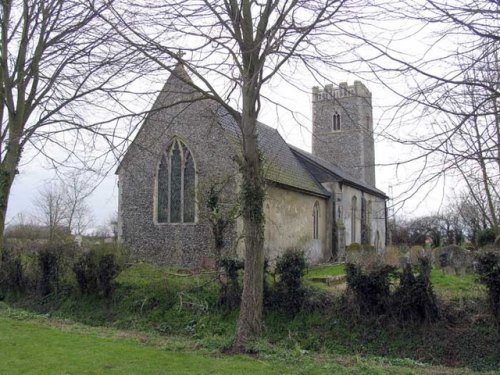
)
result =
(342, 91)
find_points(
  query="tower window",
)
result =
(336, 122)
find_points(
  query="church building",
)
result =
(187, 149)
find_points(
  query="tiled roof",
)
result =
(335, 171)
(280, 164)
(288, 165)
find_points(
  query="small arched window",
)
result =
(369, 220)
(354, 210)
(176, 193)
(336, 122)
(316, 220)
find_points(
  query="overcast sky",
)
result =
(34, 173)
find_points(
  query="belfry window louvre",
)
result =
(336, 121)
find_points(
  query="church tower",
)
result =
(343, 128)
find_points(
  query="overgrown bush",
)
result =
(49, 266)
(488, 268)
(230, 290)
(11, 272)
(107, 270)
(120, 252)
(288, 294)
(354, 247)
(85, 270)
(414, 299)
(371, 289)
(485, 237)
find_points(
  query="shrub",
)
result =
(49, 265)
(485, 237)
(85, 269)
(289, 295)
(230, 290)
(11, 272)
(414, 299)
(107, 271)
(354, 247)
(120, 252)
(488, 268)
(371, 289)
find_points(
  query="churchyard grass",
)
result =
(453, 287)
(179, 309)
(29, 347)
(325, 270)
(325, 277)
(35, 344)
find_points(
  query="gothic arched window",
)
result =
(369, 215)
(176, 199)
(336, 121)
(316, 221)
(354, 209)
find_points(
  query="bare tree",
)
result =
(77, 187)
(52, 211)
(233, 50)
(449, 115)
(56, 58)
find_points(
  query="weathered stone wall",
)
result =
(289, 224)
(376, 219)
(188, 244)
(351, 147)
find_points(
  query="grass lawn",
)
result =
(169, 309)
(37, 345)
(325, 270)
(456, 287)
(28, 348)
(316, 276)
(464, 286)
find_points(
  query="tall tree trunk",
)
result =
(250, 318)
(8, 169)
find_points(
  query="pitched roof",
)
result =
(280, 164)
(332, 172)
(284, 164)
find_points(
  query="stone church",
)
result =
(187, 147)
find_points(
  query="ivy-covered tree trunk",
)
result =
(252, 190)
(8, 168)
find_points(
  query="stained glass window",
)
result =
(176, 186)
(189, 188)
(163, 190)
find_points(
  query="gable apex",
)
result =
(180, 73)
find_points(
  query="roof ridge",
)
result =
(340, 172)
